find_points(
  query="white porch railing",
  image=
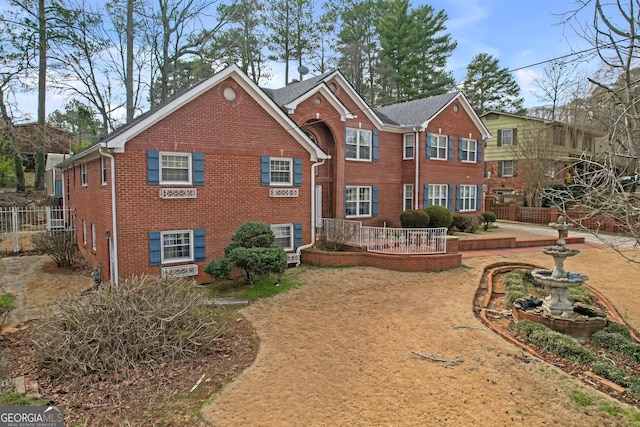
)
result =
(18, 224)
(387, 240)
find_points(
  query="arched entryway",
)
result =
(325, 191)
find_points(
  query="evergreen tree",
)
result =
(414, 51)
(489, 87)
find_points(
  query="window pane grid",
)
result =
(175, 167)
(358, 201)
(282, 236)
(468, 150)
(438, 194)
(280, 171)
(468, 197)
(439, 147)
(176, 245)
(358, 144)
(507, 137)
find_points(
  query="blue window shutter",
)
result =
(265, 170)
(345, 201)
(297, 172)
(155, 248)
(450, 148)
(375, 145)
(198, 168)
(458, 198)
(450, 197)
(374, 200)
(479, 198)
(427, 146)
(153, 167)
(459, 148)
(198, 244)
(297, 235)
(479, 145)
(425, 190)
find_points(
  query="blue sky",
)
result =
(517, 32)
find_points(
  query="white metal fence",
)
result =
(387, 240)
(17, 224)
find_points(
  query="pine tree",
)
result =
(415, 49)
(489, 87)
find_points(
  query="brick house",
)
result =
(164, 194)
(529, 143)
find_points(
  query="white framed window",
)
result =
(103, 169)
(84, 232)
(408, 197)
(507, 168)
(408, 146)
(469, 149)
(468, 197)
(93, 236)
(358, 144)
(280, 171)
(358, 201)
(83, 174)
(438, 195)
(506, 136)
(438, 148)
(177, 246)
(284, 236)
(175, 168)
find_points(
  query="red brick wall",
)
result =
(232, 136)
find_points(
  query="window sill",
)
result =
(359, 160)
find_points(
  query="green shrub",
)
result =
(617, 328)
(633, 387)
(511, 295)
(414, 219)
(7, 305)
(439, 216)
(582, 295)
(558, 343)
(460, 222)
(488, 218)
(610, 372)
(251, 250)
(617, 342)
(7, 172)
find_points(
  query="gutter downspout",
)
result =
(314, 167)
(416, 189)
(114, 231)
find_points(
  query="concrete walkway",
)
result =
(16, 275)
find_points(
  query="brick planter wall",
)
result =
(416, 263)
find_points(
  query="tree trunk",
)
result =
(129, 72)
(42, 88)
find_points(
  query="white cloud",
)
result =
(526, 79)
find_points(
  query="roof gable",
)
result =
(118, 139)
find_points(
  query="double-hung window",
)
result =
(93, 237)
(408, 197)
(507, 168)
(468, 150)
(408, 146)
(358, 201)
(358, 144)
(103, 170)
(284, 236)
(83, 174)
(175, 168)
(505, 137)
(468, 197)
(84, 232)
(438, 147)
(280, 171)
(177, 246)
(437, 195)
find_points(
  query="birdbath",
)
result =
(557, 282)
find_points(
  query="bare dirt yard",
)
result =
(337, 351)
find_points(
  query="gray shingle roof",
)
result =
(293, 91)
(413, 113)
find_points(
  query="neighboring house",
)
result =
(164, 194)
(522, 143)
(53, 175)
(56, 141)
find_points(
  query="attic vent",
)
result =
(332, 87)
(455, 108)
(229, 94)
